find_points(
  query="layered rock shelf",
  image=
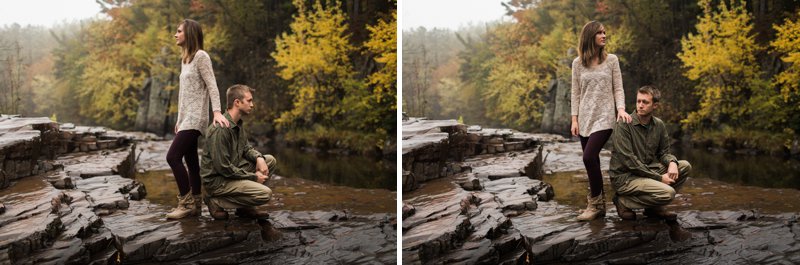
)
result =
(476, 196)
(72, 197)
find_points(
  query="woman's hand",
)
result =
(574, 128)
(218, 118)
(623, 116)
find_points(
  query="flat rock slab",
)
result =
(99, 163)
(8, 124)
(421, 141)
(505, 165)
(414, 127)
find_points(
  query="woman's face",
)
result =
(600, 37)
(179, 36)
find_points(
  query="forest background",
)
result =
(324, 71)
(729, 70)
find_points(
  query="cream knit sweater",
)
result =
(197, 86)
(596, 94)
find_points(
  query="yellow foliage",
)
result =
(383, 42)
(512, 89)
(314, 58)
(787, 42)
(721, 56)
(108, 93)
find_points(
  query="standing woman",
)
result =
(596, 91)
(197, 87)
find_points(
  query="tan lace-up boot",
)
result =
(596, 208)
(186, 207)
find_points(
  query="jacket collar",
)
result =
(230, 120)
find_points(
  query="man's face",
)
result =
(245, 106)
(644, 104)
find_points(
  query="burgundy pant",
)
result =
(591, 158)
(184, 146)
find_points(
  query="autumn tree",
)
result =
(314, 57)
(737, 103)
(787, 43)
(721, 56)
(377, 110)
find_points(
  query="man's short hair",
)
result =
(237, 92)
(652, 91)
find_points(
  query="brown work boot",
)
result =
(186, 207)
(198, 203)
(215, 210)
(251, 212)
(268, 232)
(596, 207)
(660, 212)
(624, 212)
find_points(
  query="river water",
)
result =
(306, 182)
(719, 181)
(749, 170)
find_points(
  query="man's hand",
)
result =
(666, 179)
(261, 166)
(261, 177)
(672, 170)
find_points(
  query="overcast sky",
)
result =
(450, 14)
(45, 12)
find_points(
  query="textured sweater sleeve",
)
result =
(616, 77)
(575, 100)
(207, 74)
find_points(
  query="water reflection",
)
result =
(752, 170)
(352, 171)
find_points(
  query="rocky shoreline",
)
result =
(70, 196)
(473, 195)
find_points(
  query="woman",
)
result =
(596, 90)
(197, 86)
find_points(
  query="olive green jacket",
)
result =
(226, 154)
(639, 150)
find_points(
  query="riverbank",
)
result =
(492, 211)
(93, 206)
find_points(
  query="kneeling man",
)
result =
(233, 171)
(643, 172)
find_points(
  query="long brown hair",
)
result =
(587, 49)
(193, 40)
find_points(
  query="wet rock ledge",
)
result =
(70, 197)
(476, 197)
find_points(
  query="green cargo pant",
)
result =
(244, 193)
(642, 193)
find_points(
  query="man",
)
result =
(643, 172)
(233, 172)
